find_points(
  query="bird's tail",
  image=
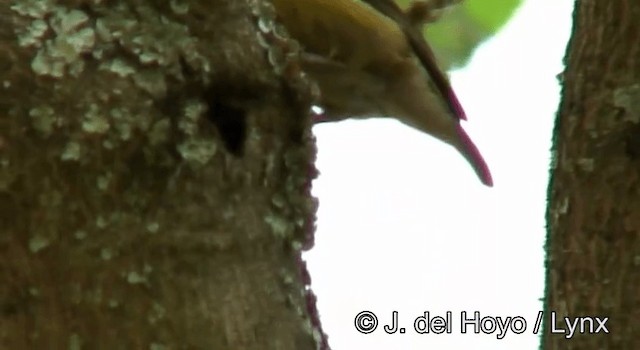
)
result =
(473, 156)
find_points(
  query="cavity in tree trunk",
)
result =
(155, 167)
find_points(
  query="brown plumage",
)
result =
(370, 59)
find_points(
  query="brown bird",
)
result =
(370, 59)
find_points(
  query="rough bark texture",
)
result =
(594, 195)
(155, 161)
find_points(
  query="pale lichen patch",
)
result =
(65, 21)
(151, 81)
(119, 67)
(72, 151)
(72, 38)
(279, 225)
(191, 113)
(75, 342)
(43, 64)
(106, 254)
(198, 151)
(38, 243)
(80, 42)
(179, 7)
(103, 181)
(95, 121)
(157, 346)
(43, 119)
(32, 8)
(134, 277)
(33, 34)
(153, 227)
(80, 235)
(101, 222)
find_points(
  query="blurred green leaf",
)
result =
(463, 27)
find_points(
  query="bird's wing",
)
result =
(423, 51)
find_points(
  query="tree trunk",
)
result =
(155, 168)
(593, 243)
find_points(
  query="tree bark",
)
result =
(593, 242)
(155, 168)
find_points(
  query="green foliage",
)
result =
(463, 27)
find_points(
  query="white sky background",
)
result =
(405, 225)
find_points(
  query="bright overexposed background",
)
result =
(405, 225)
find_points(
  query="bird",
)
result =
(369, 58)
